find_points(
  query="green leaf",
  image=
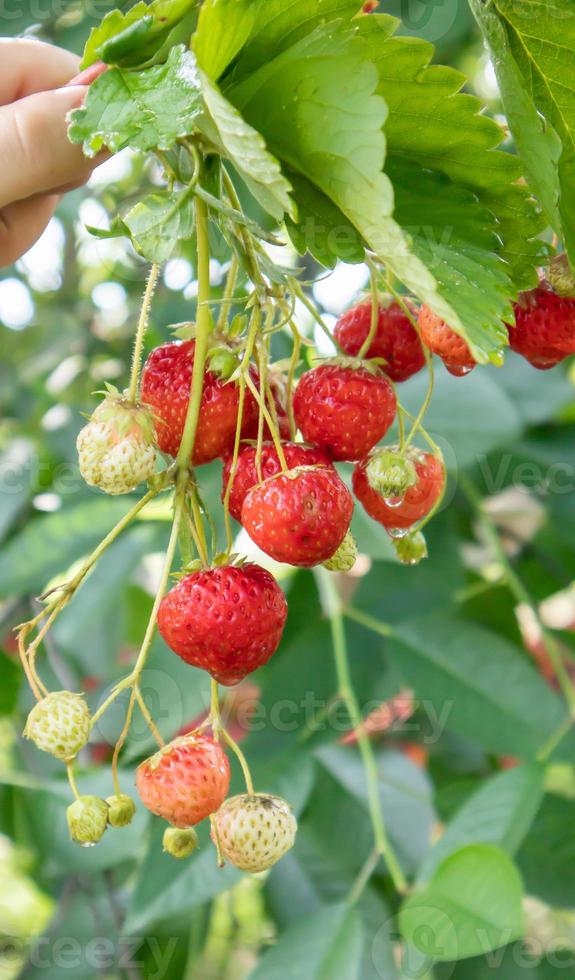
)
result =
(472, 905)
(327, 944)
(321, 228)
(311, 134)
(52, 543)
(224, 26)
(160, 222)
(279, 25)
(131, 39)
(10, 687)
(500, 812)
(17, 463)
(246, 148)
(487, 689)
(405, 795)
(436, 126)
(456, 239)
(537, 142)
(146, 110)
(541, 44)
(547, 858)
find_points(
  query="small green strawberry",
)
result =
(87, 820)
(254, 832)
(180, 843)
(390, 473)
(117, 449)
(345, 556)
(561, 276)
(411, 549)
(59, 724)
(121, 810)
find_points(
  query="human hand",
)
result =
(37, 162)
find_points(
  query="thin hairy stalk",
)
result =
(228, 297)
(374, 310)
(333, 609)
(141, 331)
(219, 730)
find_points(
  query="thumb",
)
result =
(35, 154)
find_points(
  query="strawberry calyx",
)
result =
(561, 276)
(391, 471)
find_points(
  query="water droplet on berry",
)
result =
(88, 844)
(397, 532)
(393, 501)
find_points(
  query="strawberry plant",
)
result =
(319, 499)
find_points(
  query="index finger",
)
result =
(31, 66)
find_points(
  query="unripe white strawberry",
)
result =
(180, 843)
(121, 810)
(87, 820)
(117, 449)
(59, 724)
(254, 832)
(345, 556)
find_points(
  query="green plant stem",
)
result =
(72, 780)
(185, 452)
(556, 738)
(141, 331)
(520, 592)
(219, 729)
(363, 877)
(374, 311)
(370, 622)
(227, 300)
(333, 608)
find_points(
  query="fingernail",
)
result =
(89, 75)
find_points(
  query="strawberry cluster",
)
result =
(280, 448)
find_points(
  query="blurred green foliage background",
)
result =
(67, 313)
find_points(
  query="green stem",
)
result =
(218, 729)
(228, 296)
(141, 331)
(333, 608)
(374, 311)
(72, 780)
(520, 593)
(370, 622)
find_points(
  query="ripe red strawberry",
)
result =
(418, 500)
(344, 410)
(228, 621)
(185, 781)
(300, 517)
(166, 383)
(443, 341)
(395, 340)
(246, 475)
(544, 331)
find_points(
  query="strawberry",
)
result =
(185, 781)
(246, 475)
(300, 517)
(166, 385)
(344, 409)
(228, 621)
(345, 556)
(443, 341)
(121, 810)
(59, 724)
(180, 843)
(254, 832)
(87, 820)
(561, 276)
(395, 340)
(544, 331)
(117, 450)
(403, 512)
